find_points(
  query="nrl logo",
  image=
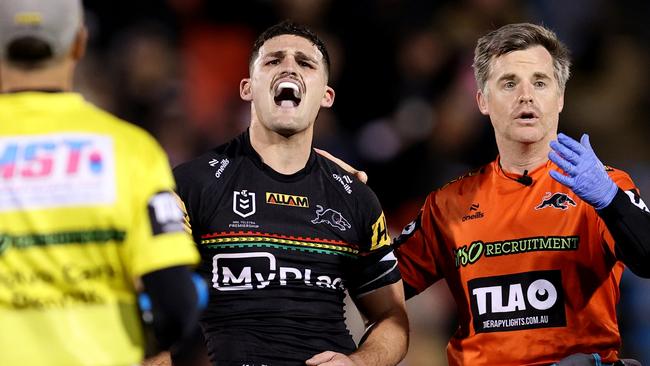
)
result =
(243, 203)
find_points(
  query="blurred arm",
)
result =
(176, 303)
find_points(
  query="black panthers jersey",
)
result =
(280, 251)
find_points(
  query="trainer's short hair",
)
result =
(516, 37)
(289, 27)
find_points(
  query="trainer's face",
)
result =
(522, 97)
(287, 85)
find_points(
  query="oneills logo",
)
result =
(286, 200)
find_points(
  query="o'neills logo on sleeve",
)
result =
(286, 200)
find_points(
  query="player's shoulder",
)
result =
(344, 182)
(216, 164)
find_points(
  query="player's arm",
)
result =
(624, 213)
(175, 298)
(386, 340)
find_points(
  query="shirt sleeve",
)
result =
(376, 265)
(156, 239)
(625, 226)
(416, 249)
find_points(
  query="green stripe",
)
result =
(277, 246)
(68, 237)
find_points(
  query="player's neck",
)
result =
(53, 77)
(517, 157)
(285, 155)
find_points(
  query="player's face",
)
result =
(288, 85)
(523, 98)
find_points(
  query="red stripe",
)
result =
(277, 236)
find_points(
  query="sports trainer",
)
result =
(533, 244)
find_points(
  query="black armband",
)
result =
(175, 306)
(628, 220)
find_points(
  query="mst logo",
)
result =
(518, 301)
(331, 217)
(556, 200)
(40, 171)
(258, 270)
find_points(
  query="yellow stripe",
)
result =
(277, 240)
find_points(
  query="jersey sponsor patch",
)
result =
(469, 254)
(519, 301)
(164, 214)
(259, 270)
(56, 170)
(380, 235)
(286, 200)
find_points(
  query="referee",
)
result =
(86, 209)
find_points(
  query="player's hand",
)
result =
(584, 173)
(359, 174)
(329, 358)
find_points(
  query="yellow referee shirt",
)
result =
(85, 209)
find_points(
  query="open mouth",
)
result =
(527, 116)
(287, 94)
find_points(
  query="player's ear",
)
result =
(328, 97)
(245, 91)
(481, 100)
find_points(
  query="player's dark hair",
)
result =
(28, 52)
(516, 37)
(289, 27)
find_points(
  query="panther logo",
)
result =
(331, 217)
(557, 200)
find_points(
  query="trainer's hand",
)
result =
(585, 174)
(359, 174)
(329, 358)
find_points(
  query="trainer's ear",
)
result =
(245, 91)
(481, 100)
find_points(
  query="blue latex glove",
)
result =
(585, 174)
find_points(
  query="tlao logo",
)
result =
(64, 169)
